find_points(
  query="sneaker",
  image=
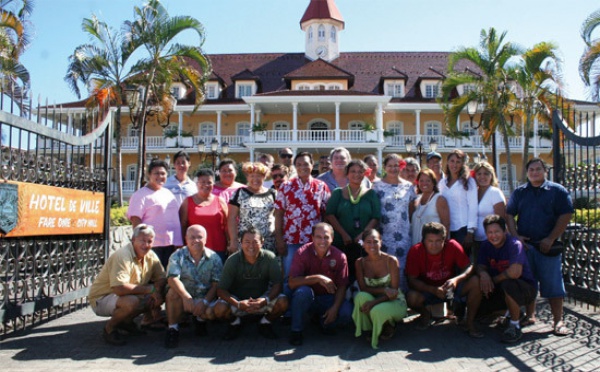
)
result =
(266, 330)
(512, 335)
(199, 328)
(233, 332)
(296, 338)
(113, 338)
(172, 338)
(502, 322)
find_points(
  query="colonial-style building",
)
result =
(318, 99)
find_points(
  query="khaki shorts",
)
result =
(105, 306)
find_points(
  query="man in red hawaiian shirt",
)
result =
(299, 206)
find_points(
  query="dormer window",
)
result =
(465, 88)
(244, 89)
(394, 88)
(332, 34)
(177, 91)
(212, 90)
(432, 90)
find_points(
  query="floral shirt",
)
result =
(395, 221)
(196, 279)
(303, 206)
(256, 210)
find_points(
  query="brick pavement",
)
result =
(73, 342)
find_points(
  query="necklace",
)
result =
(358, 195)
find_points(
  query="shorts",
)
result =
(105, 306)
(548, 272)
(264, 310)
(519, 290)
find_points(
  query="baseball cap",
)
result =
(434, 154)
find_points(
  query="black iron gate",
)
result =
(44, 276)
(576, 145)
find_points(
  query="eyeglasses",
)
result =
(276, 176)
(286, 156)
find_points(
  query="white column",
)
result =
(219, 117)
(251, 115)
(295, 122)
(337, 121)
(380, 157)
(179, 126)
(418, 125)
(252, 155)
(379, 123)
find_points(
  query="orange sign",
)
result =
(28, 209)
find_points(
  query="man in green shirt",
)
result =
(251, 283)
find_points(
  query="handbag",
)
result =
(557, 248)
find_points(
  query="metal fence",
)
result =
(576, 146)
(44, 276)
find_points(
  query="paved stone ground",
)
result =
(73, 342)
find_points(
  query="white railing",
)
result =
(326, 136)
(316, 136)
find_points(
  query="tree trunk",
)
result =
(119, 170)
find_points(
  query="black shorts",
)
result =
(519, 290)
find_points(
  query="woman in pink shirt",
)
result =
(155, 205)
(226, 185)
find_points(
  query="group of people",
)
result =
(347, 245)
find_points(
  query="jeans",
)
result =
(304, 301)
(287, 260)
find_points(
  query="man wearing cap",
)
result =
(434, 162)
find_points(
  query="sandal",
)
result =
(561, 330)
(526, 321)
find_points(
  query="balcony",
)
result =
(347, 137)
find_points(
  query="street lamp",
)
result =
(418, 151)
(472, 110)
(214, 146)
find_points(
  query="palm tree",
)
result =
(491, 88)
(538, 75)
(166, 61)
(589, 70)
(101, 67)
(14, 39)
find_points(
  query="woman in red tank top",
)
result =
(207, 210)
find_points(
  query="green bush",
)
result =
(590, 218)
(118, 216)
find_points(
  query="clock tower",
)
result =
(322, 23)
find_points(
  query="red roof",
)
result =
(322, 9)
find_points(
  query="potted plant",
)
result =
(260, 131)
(170, 134)
(187, 139)
(545, 137)
(370, 132)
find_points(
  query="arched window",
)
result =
(433, 128)
(310, 33)
(303, 87)
(334, 86)
(466, 127)
(242, 129)
(332, 34)
(282, 131)
(356, 125)
(319, 131)
(207, 129)
(396, 128)
(132, 131)
(321, 33)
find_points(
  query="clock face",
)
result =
(321, 51)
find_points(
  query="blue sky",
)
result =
(234, 26)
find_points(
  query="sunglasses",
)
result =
(276, 176)
(286, 156)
